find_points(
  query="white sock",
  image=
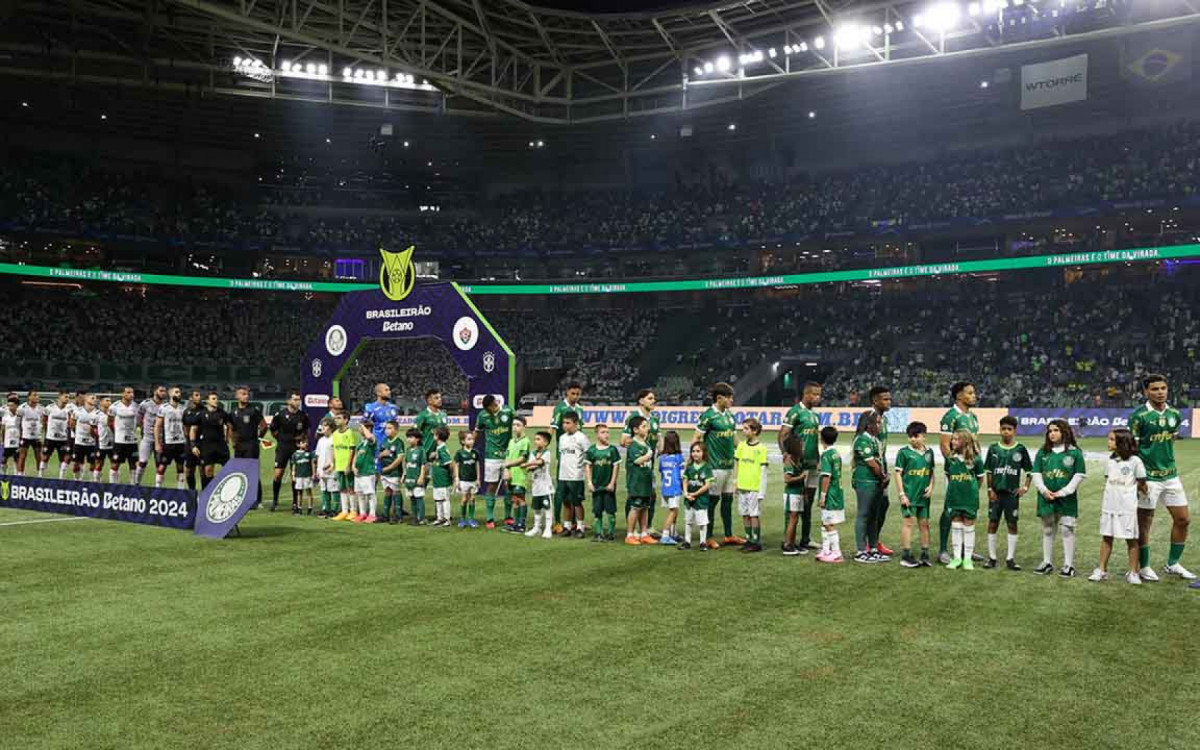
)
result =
(1012, 546)
(157, 481)
(95, 475)
(1068, 537)
(549, 513)
(347, 502)
(373, 505)
(956, 539)
(180, 483)
(537, 521)
(968, 541)
(689, 520)
(112, 476)
(1048, 544)
(41, 472)
(62, 471)
(991, 546)
(835, 542)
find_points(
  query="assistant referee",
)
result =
(249, 426)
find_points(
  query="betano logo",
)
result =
(397, 275)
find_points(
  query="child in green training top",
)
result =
(1005, 462)
(302, 472)
(750, 461)
(697, 481)
(414, 475)
(466, 479)
(364, 473)
(795, 484)
(914, 476)
(639, 483)
(391, 459)
(830, 499)
(516, 512)
(442, 469)
(1058, 471)
(964, 476)
(602, 465)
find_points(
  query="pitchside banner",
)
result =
(1090, 423)
(1056, 82)
(218, 509)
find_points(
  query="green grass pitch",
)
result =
(309, 633)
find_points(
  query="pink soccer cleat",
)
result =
(370, 519)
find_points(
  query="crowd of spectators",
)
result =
(1132, 165)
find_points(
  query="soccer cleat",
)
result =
(712, 544)
(685, 545)
(750, 547)
(490, 525)
(509, 522)
(807, 546)
(359, 519)
(598, 538)
(340, 516)
(296, 510)
(790, 551)
(462, 523)
(533, 532)
(1195, 585)
(991, 563)
(610, 537)
(1148, 575)
(977, 557)
(863, 557)
(1135, 579)
(968, 564)
(944, 557)
(881, 549)
(704, 547)
(909, 562)
(547, 535)
(733, 539)
(558, 528)
(667, 540)
(578, 533)
(654, 533)
(878, 558)
(1066, 571)
(633, 541)
(954, 564)
(473, 523)
(1180, 571)
(1012, 565)
(1098, 575)
(925, 563)
(1044, 569)
(371, 519)
(274, 507)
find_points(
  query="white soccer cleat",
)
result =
(548, 533)
(1180, 571)
(1148, 575)
(1133, 578)
(533, 532)
(1097, 576)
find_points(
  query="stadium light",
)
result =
(699, 71)
(787, 49)
(311, 69)
(323, 69)
(802, 47)
(944, 16)
(347, 72)
(983, 84)
(103, 117)
(732, 126)
(819, 42)
(723, 63)
(406, 144)
(256, 135)
(708, 67)
(847, 36)
(918, 21)
(812, 115)
(899, 26)
(541, 144)
(237, 62)
(772, 53)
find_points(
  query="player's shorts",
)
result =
(390, 483)
(916, 510)
(813, 480)
(1068, 508)
(541, 502)
(31, 443)
(493, 469)
(671, 503)
(722, 482)
(146, 451)
(345, 481)
(50, 447)
(441, 494)
(465, 487)
(1118, 525)
(247, 450)
(1007, 504)
(173, 453)
(641, 503)
(793, 502)
(1169, 492)
(833, 517)
(126, 452)
(83, 454)
(283, 454)
(696, 516)
(329, 484)
(963, 512)
(365, 485)
(417, 492)
(603, 502)
(571, 491)
(518, 490)
(210, 455)
(192, 460)
(703, 502)
(749, 503)
(103, 454)
(302, 483)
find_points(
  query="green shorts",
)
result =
(603, 502)
(345, 481)
(570, 492)
(915, 510)
(1007, 504)
(970, 513)
(700, 503)
(541, 502)
(1068, 506)
(641, 503)
(518, 490)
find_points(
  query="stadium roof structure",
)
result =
(507, 57)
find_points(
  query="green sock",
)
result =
(524, 511)
(508, 506)
(943, 532)
(419, 510)
(1174, 553)
(1144, 555)
(489, 505)
(612, 523)
(324, 501)
(471, 509)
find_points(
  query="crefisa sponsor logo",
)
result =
(317, 400)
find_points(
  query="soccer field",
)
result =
(310, 633)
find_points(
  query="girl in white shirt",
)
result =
(1126, 479)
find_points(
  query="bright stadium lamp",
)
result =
(699, 71)
(772, 53)
(887, 28)
(708, 67)
(285, 67)
(802, 47)
(381, 75)
(323, 69)
(297, 67)
(943, 16)
(846, 37)
(819, 42)
(237, 62)
(918, 21)
(899, 26)
(311, 69)
(723, 63)
(787, 49)
(347, 72)
(732, 126)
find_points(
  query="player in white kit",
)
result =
(148, 420)
(84, 429)
(104, 438)
(33, 416)
(58, 435)
(170, 441)
(12, 431)
(124, 416)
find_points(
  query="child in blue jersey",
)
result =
(670, 474)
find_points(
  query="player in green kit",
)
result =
(645, 409)
(391, 462)
(415, 475)
(1005, 462)
(959, 417)
(602, 464)
(1156, 425)
(302, 474)
(804, 423)
(869, 480)
(639, 483)
(717, 429)
(494, 426)
(914, 477)
(363, 462)
(466, 479)
(697, 479)
(881, 404)
(516, 511)
(830, 500)
(441, 473)
(964, 475)
(1058, 471)
(569, 405)
(430, 418)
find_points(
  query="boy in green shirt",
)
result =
(795, 492)
(749, 469)
(602, 464)
(302, 473)
(870, 481)
(1005, 462)
(639, 483)
(364, 473)
(442, 468)
(830, 499)
(914, 477)
(343, 449)
(516, 455)
(391, 459)
(415, 475)
(466, 479)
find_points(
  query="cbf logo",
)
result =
(396, 274)
(226, 498)
(317, 367)
(489, 361)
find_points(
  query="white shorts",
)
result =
(749, 503)
(365, 485)
(390, 483)
(793, 503)
(441, 494)
(1118, 525)
(303, 483)
(329, 484)
(696, 516)
(832, 517)
(722, 483)
(465, 487)
(1170, 492)
(493, 468)
(146, 451)
(671, 502)
(417, 492)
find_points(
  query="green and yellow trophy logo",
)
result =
(397, 275)
(4, 491)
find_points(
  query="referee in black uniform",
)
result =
(191, 418)
(248, 426)
(286, 427)
(210, 438)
